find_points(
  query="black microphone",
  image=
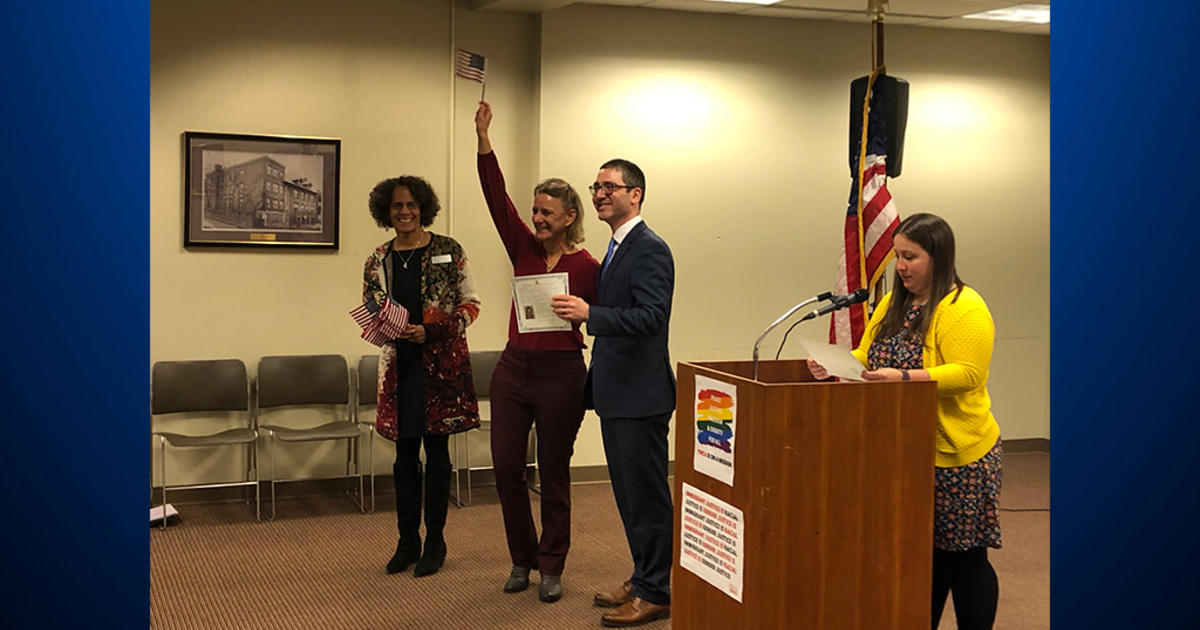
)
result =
(842, 301)
(838, 302)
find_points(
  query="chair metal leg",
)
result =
(358, 466)
(346, 473)
(371, 463)
(162, 462)
(271, 469)
(151, 460)
(467, 442)
(257, 481)
(456, 466)
(248, 473)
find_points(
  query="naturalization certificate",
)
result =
(835, 359)
(531, 299)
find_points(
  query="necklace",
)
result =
(404, 259)
(413, 252)
(552, 259)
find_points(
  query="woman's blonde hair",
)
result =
(562, 191)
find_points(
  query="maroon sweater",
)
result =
(529, 258)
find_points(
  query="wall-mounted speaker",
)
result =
(891, 101)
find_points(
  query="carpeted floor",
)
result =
(320, 565)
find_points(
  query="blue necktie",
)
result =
(612, 244)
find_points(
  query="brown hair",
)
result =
(934, 235)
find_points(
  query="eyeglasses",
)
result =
(608, 188)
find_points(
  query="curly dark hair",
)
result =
(380, 200)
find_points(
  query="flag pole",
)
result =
(453, 109)
(875, 9)
(862, 168)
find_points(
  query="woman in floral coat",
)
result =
(426, 392)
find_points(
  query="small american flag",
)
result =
(867, 237)
(380, 324)
(364, 313)
(469, 65)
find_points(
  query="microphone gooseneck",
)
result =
(820, 297)
(838, 302)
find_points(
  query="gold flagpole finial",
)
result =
(876, 9)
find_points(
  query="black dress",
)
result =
(410, 390)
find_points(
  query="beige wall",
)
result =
(376, 74)
(739, 123)
(741, 127)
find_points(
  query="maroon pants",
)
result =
(541, 389)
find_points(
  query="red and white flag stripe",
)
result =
(384, 326)
(880, 218)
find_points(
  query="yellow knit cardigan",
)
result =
(957, 353)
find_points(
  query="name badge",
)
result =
(441, 260)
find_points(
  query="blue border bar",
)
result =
(1123, 286)
(74, 171)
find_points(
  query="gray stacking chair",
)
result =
(186, 387)
(368, 396)
(309, 380)
(482, 365)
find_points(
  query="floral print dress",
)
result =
(965, 498)
(450, 304)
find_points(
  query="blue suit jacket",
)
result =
(630, 375)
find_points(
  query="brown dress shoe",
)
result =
(614, 598)
(635, 612)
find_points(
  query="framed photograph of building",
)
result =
(261, 191)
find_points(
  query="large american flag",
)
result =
(870, 223)
(469, 65)
(380, 324)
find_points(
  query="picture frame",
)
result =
(261, 190)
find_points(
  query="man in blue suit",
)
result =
(632, 388)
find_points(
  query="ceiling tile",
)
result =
(831, 5)
(926, 13)
(931, 8)
(617, 3)
(1034, 29)
(947, 8)
(788, 12)
(700, 6)
(888, 19)
(973, 25)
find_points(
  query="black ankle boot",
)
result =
(518, 580)
(432, 559)
(408, 550)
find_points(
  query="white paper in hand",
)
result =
(835, 359)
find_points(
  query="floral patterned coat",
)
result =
(450, 305)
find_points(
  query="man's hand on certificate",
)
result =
(569, 307)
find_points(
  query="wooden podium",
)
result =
(835, 485)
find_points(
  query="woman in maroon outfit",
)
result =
(539, 379)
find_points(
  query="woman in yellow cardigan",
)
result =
(934, 327)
